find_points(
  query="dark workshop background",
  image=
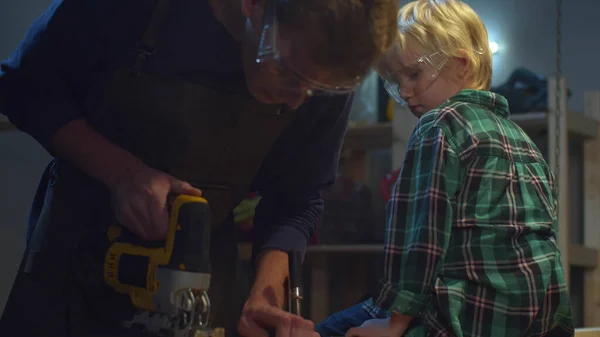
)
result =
(523, 29)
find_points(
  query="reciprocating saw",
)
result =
(167, 281)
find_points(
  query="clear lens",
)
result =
(393, 90)
(268, 52)
(323, 88)
(267, 46)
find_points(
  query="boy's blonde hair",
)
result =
(451, 27)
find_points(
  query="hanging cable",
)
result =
(557, 112)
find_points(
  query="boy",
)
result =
(470, 248)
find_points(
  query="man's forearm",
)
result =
(93, 153)
(271, 272)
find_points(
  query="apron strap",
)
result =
(147, 45)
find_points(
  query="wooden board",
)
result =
(372, 136)
(368, 136)
(578, 124)
(582, 256)
(587, 332)
(5, 124)
(591, 292)
(591, 217)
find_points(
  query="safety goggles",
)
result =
(411, 79)
(269, 56)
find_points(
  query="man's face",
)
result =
(291, 76)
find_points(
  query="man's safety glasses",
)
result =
(268, 56)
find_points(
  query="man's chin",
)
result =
(261, 95)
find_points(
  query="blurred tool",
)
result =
(295, 281)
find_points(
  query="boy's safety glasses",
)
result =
(410, 79)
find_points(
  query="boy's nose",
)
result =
(406, 95)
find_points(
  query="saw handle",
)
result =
(187, 244)
(189, 232)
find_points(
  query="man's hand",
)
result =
(139, 192)
(262, 315)
(262, 319)
(140, 200)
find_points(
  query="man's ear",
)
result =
(248, 6)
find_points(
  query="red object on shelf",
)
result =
(315, 238)
(386, 184)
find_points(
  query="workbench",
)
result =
(5, 124)
(587, 332)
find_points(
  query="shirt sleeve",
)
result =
(419, 222)
(41, 81)
(291, 202)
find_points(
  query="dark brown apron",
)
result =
(214, 139)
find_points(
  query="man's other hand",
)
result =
(261, 319)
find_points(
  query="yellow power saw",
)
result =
(167, 281)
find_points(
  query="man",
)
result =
(138, 100)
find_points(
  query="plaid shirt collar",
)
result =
(489, 100)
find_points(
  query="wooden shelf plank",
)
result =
(581, 256)
(245, 249)
(587, 332)
(370, 136)
(346, 248)
(374, 136)
(591, 299)
(379, 135)
(5, 124)
(7, 127)
(578, 124)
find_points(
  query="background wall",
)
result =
(22, 160)
(526, 33)
(524, 29)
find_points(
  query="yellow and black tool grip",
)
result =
(131, 263)
(190, 250)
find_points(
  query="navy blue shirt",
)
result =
(72, 49)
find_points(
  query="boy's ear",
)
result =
(463, 64)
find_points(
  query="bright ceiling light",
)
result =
(494, 47)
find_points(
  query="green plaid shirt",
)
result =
(470, 248)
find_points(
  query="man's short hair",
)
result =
(350, 34)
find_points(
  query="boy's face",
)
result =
(427, 79)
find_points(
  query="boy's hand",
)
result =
(376, 328)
